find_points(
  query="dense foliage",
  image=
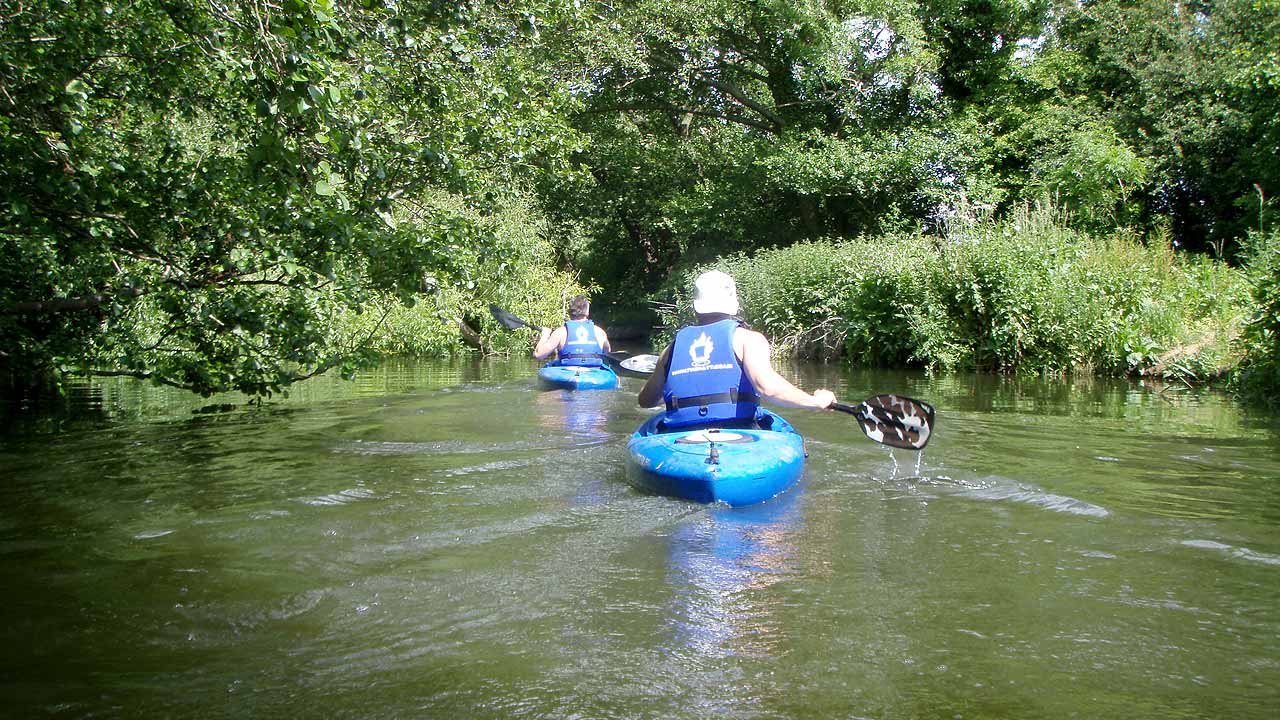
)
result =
(238, 195)
(201, 193)
(1259, 375)
(726, 126)
(1024, 295)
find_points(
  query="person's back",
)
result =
(705, 381)
(716, 371)
(578, 342)
(582, 345)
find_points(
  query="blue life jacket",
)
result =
(705, 381)
(581, 347)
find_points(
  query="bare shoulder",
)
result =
(750, 339)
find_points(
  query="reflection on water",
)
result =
(450, 540)
(99, 400)
(581, 414)
(582, 418)
(719, 563)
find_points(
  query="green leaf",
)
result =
(78, 88)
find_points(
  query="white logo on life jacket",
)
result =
(581, 334)
(700, 351)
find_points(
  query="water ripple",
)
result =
(1235, 552)
(1039, 498)
(490, 467)
(342, 497)
(460, 447)
(1002, 489)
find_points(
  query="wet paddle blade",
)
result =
(506, 319)
(893, 420)
(643, 364)
(640, 366)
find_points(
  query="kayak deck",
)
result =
(577, 377)
(709, 465)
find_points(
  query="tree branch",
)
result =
(733, 91)
(141, 375)
(739, 119)
(58, 305)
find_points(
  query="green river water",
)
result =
(445, 540)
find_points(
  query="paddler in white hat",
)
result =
(716, 371)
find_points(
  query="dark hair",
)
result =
(578, 307)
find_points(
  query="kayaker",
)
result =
(578, 341)
(721, 369)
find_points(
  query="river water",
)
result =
(444, 539)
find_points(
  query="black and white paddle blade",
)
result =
(506, 319)
(893, 420)
(637, 366)
(897, 420)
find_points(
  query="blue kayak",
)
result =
(577, 377)
(731, 466)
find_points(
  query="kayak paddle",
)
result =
(893, 420)
(624, 363)
(509, 321)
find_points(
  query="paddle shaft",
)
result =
(854, 410)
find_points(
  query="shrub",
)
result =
(1024, 295)
(1258, 379)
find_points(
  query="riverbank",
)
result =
(1027, 295)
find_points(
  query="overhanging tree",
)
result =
(196, 191)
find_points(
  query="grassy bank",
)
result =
(1257, 377)
(1026, 295)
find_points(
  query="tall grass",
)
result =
(1258, 379)
(1023, 295)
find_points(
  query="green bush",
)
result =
(1258, 379)
(1024, 295)
(514, 269)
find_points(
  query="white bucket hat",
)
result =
(715, 292)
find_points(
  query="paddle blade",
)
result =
(506, 319)
(893, 420)
(644, 364)
(635, 366)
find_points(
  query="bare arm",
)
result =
(651, 394)
(753, 351)
(603, 339)
(549, 342)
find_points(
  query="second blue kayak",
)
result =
(732, 466)
(577, 377)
